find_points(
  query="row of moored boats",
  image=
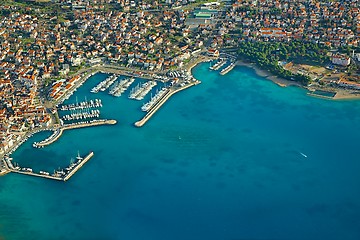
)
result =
(140, 91)
(154, 99)
(120, 87)
(103, 85)
(222, 62)
(96, 103)
(94, 113)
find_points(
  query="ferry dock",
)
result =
(58, 175)
(59, 131)
(161, 101)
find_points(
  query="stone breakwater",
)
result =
(58, 132)
(157, 106)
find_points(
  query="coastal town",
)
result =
(50, 48)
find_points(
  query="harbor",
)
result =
(59, 175)
(87, 111)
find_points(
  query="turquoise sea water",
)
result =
(221, 160)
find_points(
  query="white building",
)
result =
(340, 60)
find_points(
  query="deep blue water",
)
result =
(221, 160)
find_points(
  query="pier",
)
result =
(227, 69)
(59, 131)
(161, 101)
(37, 175)
(218, 64)
(56, 176)
(78, 166)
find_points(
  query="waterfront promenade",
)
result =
(59, 131)
(157, 106)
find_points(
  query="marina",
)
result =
(140, 91)
(59, 175)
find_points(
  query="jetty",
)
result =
(161, 101)
(147, 106)
(59, 131)
(58, 175)
(79, 164)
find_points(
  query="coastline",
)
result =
(340, 93)
(266, 74)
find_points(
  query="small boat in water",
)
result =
(303, 154)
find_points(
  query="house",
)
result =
(341, 60)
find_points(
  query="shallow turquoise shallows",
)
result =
(236, 157)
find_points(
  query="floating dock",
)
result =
(58, 177)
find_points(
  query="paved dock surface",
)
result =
(59, 131)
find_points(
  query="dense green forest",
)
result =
(267, 54)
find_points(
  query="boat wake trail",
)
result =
(303, 154)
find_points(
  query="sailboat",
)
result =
(78, 157)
